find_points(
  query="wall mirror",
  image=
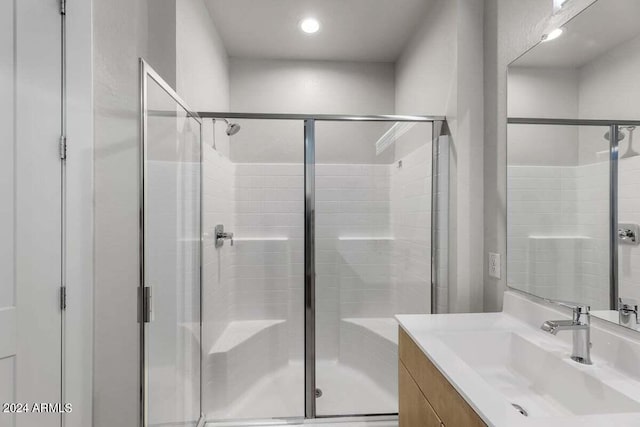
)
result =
(573, 171)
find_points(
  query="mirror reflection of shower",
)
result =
(630, 152)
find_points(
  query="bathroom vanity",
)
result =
(426, 396)
(501, 369)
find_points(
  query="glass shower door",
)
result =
(253, 286)
(171, 249)
(372, 257)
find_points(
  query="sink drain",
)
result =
(520, 409)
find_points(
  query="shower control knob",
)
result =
(222, 235)
(628, 233)
(625, 234)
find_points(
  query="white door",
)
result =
(30, 210)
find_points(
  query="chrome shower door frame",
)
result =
(309, 268)
(310, 120)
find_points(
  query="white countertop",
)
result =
(495, 408)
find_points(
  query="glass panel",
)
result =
(172, 260)
(253, 316)
(558, 212)
(373, 234)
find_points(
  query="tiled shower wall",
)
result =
(218, 206)
(269, 252)
(629, 212)
(558, 231)
(411, 223)
(353, 248)
(372, 249)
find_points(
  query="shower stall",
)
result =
(277, 249)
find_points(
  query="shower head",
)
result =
(232, 128)
(607, 136)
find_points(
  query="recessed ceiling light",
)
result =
(552, 35)
(310, 25)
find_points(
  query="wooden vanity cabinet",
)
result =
(427, 399)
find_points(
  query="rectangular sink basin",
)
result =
(542, 383)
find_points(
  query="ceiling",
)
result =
(351, 30)
(600, 28)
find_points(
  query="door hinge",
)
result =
(63, 147)
(63, 7)
(146, 311)
(63, 298)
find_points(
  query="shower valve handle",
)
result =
(222, 235)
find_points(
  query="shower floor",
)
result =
(344, 422)
(345, 391)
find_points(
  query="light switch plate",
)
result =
(494, 265)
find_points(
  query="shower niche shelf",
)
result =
(349, 239)
(261, 239)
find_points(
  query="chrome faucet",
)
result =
(628, 310)
(580, 326)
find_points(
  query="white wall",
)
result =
(440, 73)
(425, 71)
(119, 39)
(202, 76)
(315, 87)
(543, 92)
(276, 86)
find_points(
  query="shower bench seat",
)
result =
(246, 351)
(240, 331)
(370, 345)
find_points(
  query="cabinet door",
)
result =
(441, 395)
(415, 411)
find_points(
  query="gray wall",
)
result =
(120, 37)
(315, 87)
(440, 73)
(543, 92)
